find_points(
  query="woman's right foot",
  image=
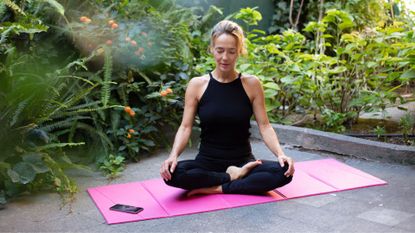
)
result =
(240, 172)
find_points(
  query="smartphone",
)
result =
(126, 208)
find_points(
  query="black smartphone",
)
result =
(126, 208)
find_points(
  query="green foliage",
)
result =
(249, 15)
(379, 131)
(86, 70)
(364, 13)
(113, 166)
(407, 125)
(336, 78)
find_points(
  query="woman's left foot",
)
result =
(240, 172)
(208, 190)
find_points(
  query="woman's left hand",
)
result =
(285, 159)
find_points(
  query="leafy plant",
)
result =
(379, 131)
(113, 166)
(407, 125)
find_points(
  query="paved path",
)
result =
(388, 208)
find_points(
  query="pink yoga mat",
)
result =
(160, 201)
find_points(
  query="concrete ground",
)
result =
(389, 208)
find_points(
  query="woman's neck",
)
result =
(224, 77)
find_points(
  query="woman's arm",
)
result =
(185, 129)
(267, 132)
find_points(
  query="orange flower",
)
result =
(133, 43)
(127, 109)
(131, 130)
(84, 19)
(108, 42)
(163, 93)
(141, 49)
(132, 113)
(169, 90)
(128, 135)
(114, 26)
(110, 22)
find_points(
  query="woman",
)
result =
(225, 101)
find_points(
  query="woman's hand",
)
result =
(167, 168)
(285, 159)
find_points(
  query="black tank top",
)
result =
(224, 111)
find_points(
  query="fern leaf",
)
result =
(86, 110)
(72, 131)
(77, 77)
(80, 96)
(67, 122)
(59, 8)
(79, 106)
(18, 111)
(14, 6)
(106, 91)
(2, 9)
(5, 33)
(59, 145)
(72, 101)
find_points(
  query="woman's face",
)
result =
(225, 52)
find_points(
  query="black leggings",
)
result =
(193, 174)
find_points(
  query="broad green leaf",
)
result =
(270, 107)
(35, 160)
(371, 64)
(14, 176)
(287, 79)
(271, 48)
(270, 93)
(273, 86)
(259, 31)
(24, 173)
(344, 25)
(409, 74)
(327, 36)
(337, 70)
(148, 142)
(244, 66)
(289, 46)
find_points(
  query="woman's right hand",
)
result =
(167, 168)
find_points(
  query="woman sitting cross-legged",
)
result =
(225, 100)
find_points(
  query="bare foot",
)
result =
(209, 190)
(239, 172)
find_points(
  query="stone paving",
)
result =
(389, 208)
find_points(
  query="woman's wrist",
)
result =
(173, 155)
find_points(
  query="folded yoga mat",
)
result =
(160, 201)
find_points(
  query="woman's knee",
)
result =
(273, 167)
(175, 176)
(278, 177)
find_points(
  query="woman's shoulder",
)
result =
(199, 81)
(250, 80)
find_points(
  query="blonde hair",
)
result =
(230, 28)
